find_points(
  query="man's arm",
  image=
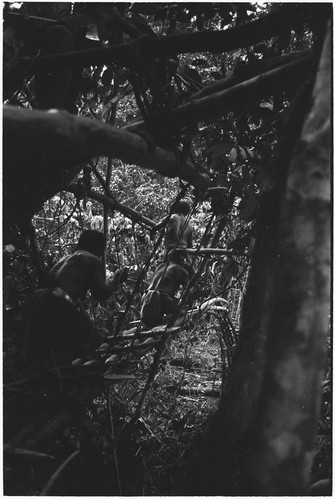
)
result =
(159, 225)
(102, 290)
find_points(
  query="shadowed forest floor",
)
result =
(150, 456)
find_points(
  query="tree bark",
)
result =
(287, 422)
(259, 441)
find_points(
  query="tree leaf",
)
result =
(10, 248)
(221, 149)
(267, 105)
(250, 153)
(248, 205)
(233, 156)
(242, 153)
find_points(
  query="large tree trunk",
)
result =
(280, 460)
(260, 440)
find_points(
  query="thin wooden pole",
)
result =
(214, 251)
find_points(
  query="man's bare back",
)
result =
(178, 232)
(83, 270)
(79, 272)
(57, 329)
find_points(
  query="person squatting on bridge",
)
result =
(58, 328)
(159, 302)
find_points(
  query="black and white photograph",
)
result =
(167, 229)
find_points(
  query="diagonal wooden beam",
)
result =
(114, 204)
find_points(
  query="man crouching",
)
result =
(58, 329)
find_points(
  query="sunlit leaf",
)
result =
(267, 105)
(233, 155)
(242, 152)
(10, 248)
(250, 153)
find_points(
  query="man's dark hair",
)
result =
(180, 207)
(93, 242)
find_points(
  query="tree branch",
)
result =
(252, 70)
(114, 204)
(239, 96)
(273, 24)
(55, 137)
(213, 251)
(15, 20)
(44, 150)
(234, 97)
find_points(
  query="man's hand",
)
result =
(158, 226)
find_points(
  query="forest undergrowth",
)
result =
(149, 456)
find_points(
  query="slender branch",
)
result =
(14, 18)
(125, 24)
(213, 251)
(252, 70)
(50, 484)
(26, 455)
(109, 405)
(114, 204)
(108, 178)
